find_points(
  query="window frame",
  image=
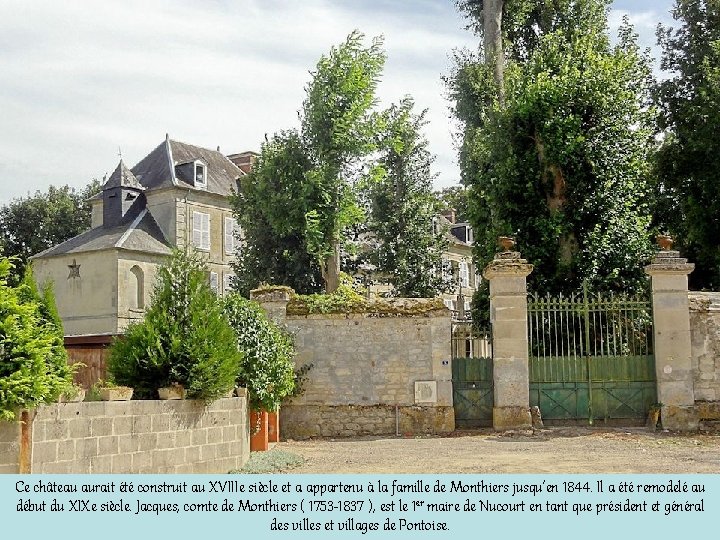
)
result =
(204, 167)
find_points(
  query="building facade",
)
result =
(177, 196)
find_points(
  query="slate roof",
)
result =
(142, 234)
(122, 177)
(157, 169)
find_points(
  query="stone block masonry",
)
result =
(365, 369)
(181, 436)
(705, 343)
(306, 421)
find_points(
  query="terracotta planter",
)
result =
(116, 393)
(259, 431)
(274, 426)
(175, 391)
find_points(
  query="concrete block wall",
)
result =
(9, 447)
(705, 340)
(182, 436)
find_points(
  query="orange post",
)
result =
(274, 426)
(258, 431)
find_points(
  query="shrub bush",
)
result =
(267, 365)
(33, 362)
(184, 338)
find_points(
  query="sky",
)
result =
(83, 81)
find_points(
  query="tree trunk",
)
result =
(330, 268)
(492, 41)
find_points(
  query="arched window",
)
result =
(136, 290)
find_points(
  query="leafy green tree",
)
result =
(407, 247)
(184, 338)
(562, 161)
(32, 369)
(266, 369)
(270, 208)
(688, 162)
(299, 204)
(454, 198)
(29, 225)
(339, 129)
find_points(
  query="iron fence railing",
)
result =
(589, 325)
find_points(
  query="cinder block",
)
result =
(147, 441)
(127, 443)
(45, 452)
(121, 464)
(101, 427)
(142, 461)
(66, 450)
(108, 445)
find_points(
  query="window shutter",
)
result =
(229, 236)
(464, 274)
(206, 232)
(214, 281)
(197, 229)
(227, 282)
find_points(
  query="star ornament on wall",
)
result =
(74, 270)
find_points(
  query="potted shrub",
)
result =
(184, 339)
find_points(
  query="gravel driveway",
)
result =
(554, 450)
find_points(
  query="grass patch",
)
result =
(272, 461)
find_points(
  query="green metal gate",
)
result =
(591, 357)
(472, 377)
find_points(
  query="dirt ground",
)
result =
(553, 450)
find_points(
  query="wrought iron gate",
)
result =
(591, 356)
(472, 376)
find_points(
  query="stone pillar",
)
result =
(508, 315)
(671, 328)
(274, 301)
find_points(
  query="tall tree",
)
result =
(270, 207)
(338, 127)
(454, 198)
(408, 248)
(689, 159)
(29, 225)
(300, 202)
(562, 162)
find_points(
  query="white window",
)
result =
(227, 283)
(214, 282)
(201, 230)
(464, 274)
(231, 233)
(200, 174)
(447, 270)
(467, 306)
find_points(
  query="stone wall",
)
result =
(705, 336)
(183, 436)
(367, 364)
(9, 447)
(305, 421)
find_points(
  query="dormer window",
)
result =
(200, 174)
